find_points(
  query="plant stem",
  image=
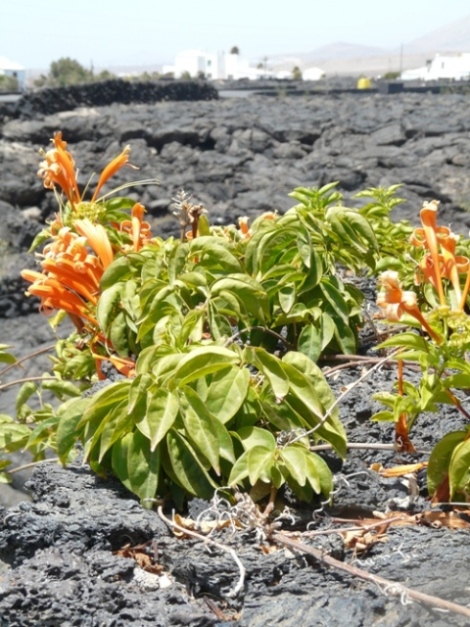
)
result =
(4, 386)
(30, 356)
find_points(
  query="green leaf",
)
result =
(162, 410)
(227, 392)
(136, 466)
(202, 361)
(155, 357)
(310, 342)
(117, 272)
(199, 423)
(459, 469)
(319, 474)
(5, 357)
(271, 367)
(25, 392)
(13, 435)
(256, 436)
(239, 470)
(440, 458)
(67, 431)
(109, 305)
(219, 325)
(295, 459)
(287, 296)
(310, 389)
(259, 463)
(406, 340)
(138, 391)
(118, 333)
(118, 424)
(62, 388)
(248, 291)
(383, 416)
(104, 401)
(225, 442)
(330, 289)
(353, 228)
(187, 469)
(214, 255)
(345, 337)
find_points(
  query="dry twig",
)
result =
(387, 585)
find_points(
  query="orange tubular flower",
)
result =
(58, 168)
(71, 274)
(139, 230)
(429, 221)
(97, 239)
(245, 230)
(110, 170)
(441, 262)
(54, 296)
(394, 302)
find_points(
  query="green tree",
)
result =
(234, 50)
(296, 73)
(8, 83)
(65, 71)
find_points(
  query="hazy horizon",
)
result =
(117, 33)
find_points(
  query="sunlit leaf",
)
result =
(202, 361)
(227, 392)
(162, 409)
(440, 458)
(199, 423)
(187, 468)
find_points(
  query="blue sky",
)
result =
(147, 32)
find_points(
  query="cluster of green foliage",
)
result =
(8, 83)
(66, 71)
(439, 286)
(226, 330)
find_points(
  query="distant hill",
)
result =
(351, 59)
(451, 37)
(344, 50)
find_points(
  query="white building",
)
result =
(214, 66)
(312, 74)
(456, 67)
(9, 68)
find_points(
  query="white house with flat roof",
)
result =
(10, 68)
(448, 66)
(312, 74)
(213, 66)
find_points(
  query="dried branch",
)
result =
(389, 586)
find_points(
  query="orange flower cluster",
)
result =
(395, 302)
(71, 274)
(138, 230)
(440, 261)
(58, 170)
(74, 261)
